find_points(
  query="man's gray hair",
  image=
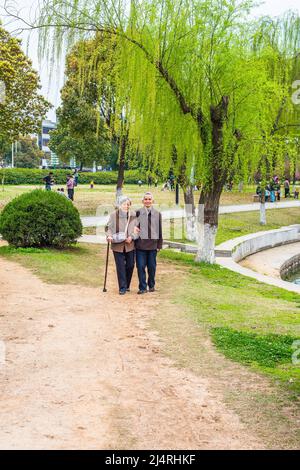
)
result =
(148, 194)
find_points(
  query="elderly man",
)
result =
(150, 241)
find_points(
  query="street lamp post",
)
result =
(12, 156)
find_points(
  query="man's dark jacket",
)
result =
(150, 225)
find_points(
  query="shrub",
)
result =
(35, 176)
(40, 219)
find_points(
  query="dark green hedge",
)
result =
(40, 219)
(33, 176)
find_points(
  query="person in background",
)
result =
(76, 177)
(70, 187)
(278, 190)
(272, 191)
(49, 181)
(92, 184)
(148, 243)
(287, 188)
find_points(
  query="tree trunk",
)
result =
(207, 224)
(208, 211)
(121, 170)
(263, 215)
(190, 214)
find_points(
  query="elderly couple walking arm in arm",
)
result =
(135, 236)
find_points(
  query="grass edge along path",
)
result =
(262, 340)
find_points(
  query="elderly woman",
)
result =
(121, 232)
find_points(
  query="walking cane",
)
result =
(106, 267)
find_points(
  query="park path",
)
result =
(94, 221)
(83, 370)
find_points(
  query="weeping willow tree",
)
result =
(190, 78)
(278, 42)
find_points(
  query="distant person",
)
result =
(70, 187)
(76, 177)
(49, 181)
(296, 193)
(150, 181)
(61, 191)
(92, 184)
(278, 190)
(272, 191)
(156, 182)
(287, 188)
(140, 182)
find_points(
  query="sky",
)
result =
(51, 90)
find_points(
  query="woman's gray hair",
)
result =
(123, 199)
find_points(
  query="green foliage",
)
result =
(269, 353)
(249, 348)
(178, 61)
(28, 154)
(33, 176)
(23, 107)
(40, 219)
(80, 133)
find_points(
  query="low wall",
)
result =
(243, 247)
(290, 267)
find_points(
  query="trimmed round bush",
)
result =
(40, 219)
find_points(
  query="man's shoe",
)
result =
(142, 292)
(122, 292)
(128, 290)
(151, 289)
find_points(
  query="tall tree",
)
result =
(22, 107)
(28, 154)
(192, 80)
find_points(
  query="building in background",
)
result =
(50, 158)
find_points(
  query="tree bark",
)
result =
(263, 214)
(190, 214)
(208, 210)
(207, 223)
(121, 170)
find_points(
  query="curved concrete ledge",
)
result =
(236, 250)
(242, 247)
(290, 266)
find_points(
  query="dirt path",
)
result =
(83, 371)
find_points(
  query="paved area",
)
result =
(233, 266)
(270, 261)
(94, 221)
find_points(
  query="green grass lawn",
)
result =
(89, 201)
(249, 322)
(238, 224)
(81, 265)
